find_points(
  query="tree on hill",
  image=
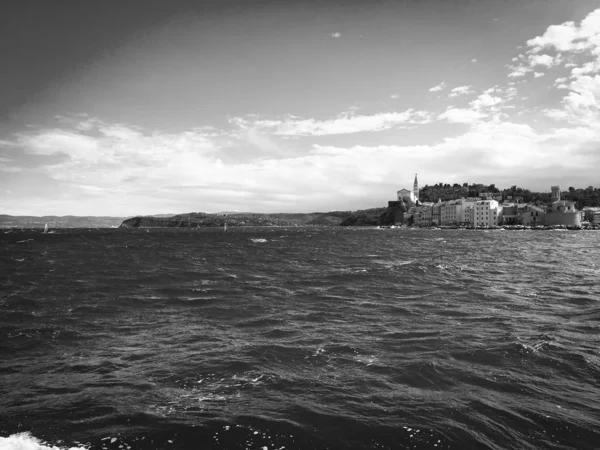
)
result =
(589, 196)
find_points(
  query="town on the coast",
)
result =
(491, 210)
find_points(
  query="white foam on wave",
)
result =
(258, 240)
(25, 441)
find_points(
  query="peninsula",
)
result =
(368, 217)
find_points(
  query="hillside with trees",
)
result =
(589, 196)
(200, 219)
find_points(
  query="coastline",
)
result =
(590, 227)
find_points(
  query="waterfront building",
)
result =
(427, 216)
(562, 212)
(435, 213)
(485, 214)
(533, 216)
(451, 212)
(591, 214)
(510, 215)
(467, 214)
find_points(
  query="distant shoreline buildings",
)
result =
(486, 211)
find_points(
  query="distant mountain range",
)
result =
(7, 221)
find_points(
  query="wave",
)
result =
(26, 441)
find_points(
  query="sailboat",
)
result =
(46, 229)
(225, 226)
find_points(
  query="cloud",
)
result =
(460, 90)
(77, 146)
(569, 37)
(543, 60)
(336, 35)
(129, 170)
(578, 48)
(474, 60)
(343, 124)
(438, 87)
(582, 104)
(461, 115)
(291, 163)
(519, 71)
(586, 68)
(484, 106)
(484, 101)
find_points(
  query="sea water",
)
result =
(299, 338)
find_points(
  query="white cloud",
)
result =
(485, 100)
(587, 68)
(583, 102)
(480, 108)
(579, 46)
(336, 35)
(474, 60)
(519, 71)
(543, 60)
(344, 124)
(461, 115)
(438, 87)
(76, 145)
(560, 37)
(149, 170)
(190, 169)
(568, 37)
(460, 90)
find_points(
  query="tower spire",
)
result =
(416, 188)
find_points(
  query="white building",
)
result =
(412, 195)
(485, 214)
(450, 212)
(405, 193)
(454, 212)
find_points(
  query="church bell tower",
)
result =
(416, 188)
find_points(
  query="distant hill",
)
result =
(7, 221)
(373, 216)
(367, 217)
(589, 196)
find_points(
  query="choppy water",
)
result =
(300, 338)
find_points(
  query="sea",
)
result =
(299, 338)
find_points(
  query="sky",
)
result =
(148, 107)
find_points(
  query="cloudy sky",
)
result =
(146, 107)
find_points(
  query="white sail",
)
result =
(225, 226)
(45, 228)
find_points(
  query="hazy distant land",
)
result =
(374, 216)
(7, 221)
